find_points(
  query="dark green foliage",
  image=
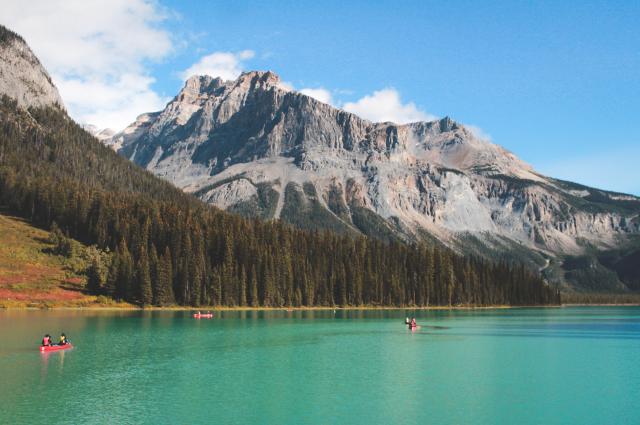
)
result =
(625, 262)
(628, 269)
(514, 183)
(261, 206)
(163, 294)
(500, 249)
(143, 278)
(588, 273)
(309, 189)
(600, 201)
(98, 269)
(337, 205)
(6, 35)
(601, 298)
(371, 224)
(302, 209)
(198, 193)
(95, 277)
(62, 245)
(167, 247)
(267, 200)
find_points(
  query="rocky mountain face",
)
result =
(22, 77)
(254, 147)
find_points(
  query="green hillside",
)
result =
(33, 274)
(167, 247)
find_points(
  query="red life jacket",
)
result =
(46, 341)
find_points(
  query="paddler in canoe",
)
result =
(46, 341)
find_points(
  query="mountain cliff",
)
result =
(254, 147)
(150, 243)
(22, 77)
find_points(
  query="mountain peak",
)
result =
(262, 76)
(447, 124)
(250, 147)
(202, 85)
(258, 79)
(197, 85)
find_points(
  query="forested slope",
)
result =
(164, 247)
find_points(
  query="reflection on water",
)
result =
(44, 365)
(56, 358)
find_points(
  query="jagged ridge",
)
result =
(226, 141)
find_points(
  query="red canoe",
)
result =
(203, 316)
(46, 349)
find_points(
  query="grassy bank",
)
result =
(31, 275)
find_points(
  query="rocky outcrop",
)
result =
(22, 77)
(223, 140)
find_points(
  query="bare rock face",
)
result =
(22, 77)
(226, 140)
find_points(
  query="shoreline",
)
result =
(293, 309)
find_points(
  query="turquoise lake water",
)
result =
(517, 366)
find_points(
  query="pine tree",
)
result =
(164, 294)
(95, 279)
(153, 270)
(111, 284)
(125, 282)
(143, 277)
(242, 290)
(206, 253)
(253, 289)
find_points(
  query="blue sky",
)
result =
(557, 83)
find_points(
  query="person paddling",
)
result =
(46, 341)
(413, 322)
(63, 339)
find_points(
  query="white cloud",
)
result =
(285, 85)
(386, 105)
(225, 65)
(96, 53)
(320, 93)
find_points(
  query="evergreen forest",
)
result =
(160, 246)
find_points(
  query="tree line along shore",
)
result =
(155, 245)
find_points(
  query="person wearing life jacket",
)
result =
(413, 322)
(46, 341)
(63, 340)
